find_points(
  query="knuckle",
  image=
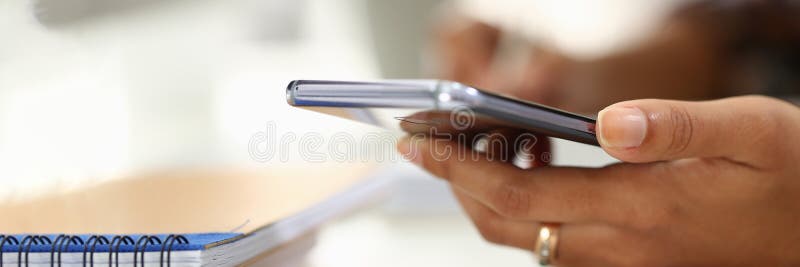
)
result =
(771, 114)
(765, 101)
(490, 231)
(511, 200)
(770, 121)
(682, 124)
(774, 117)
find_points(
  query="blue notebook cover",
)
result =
(88, 245)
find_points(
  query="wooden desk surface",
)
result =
(182, 201)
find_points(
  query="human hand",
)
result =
(701, 184)
(469, 51)
(680, 60)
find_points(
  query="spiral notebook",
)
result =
(88, 250)
(264, 229)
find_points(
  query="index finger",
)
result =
(551, 194)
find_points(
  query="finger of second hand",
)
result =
(497, 144)
(522, 149)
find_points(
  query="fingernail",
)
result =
(621, 127)
(409, 151)
(481, 145)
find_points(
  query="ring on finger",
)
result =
(546, 244)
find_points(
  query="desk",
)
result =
(373, 238)
(425, 230)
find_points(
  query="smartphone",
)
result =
(423, 105)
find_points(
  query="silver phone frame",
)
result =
(442, 95)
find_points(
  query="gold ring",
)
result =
(546, 244)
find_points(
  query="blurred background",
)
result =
(94, 90)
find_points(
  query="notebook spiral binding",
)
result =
(61, 242)
(11, 240)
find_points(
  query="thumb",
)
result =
(743, 129)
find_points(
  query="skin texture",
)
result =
(713, 183)
(681, 60)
